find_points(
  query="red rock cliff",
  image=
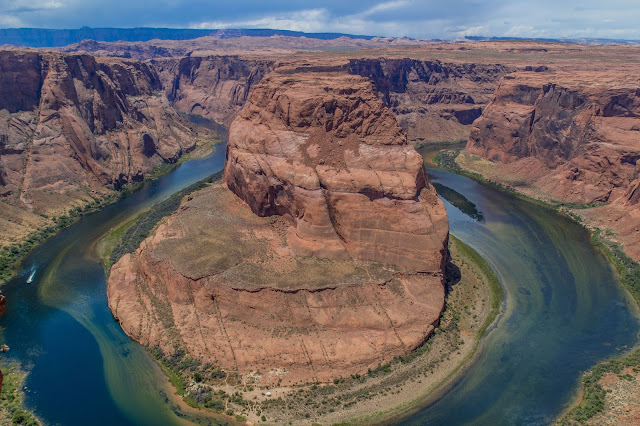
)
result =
(321, 155)
(214, 87)
(322, 149)
(569, 137)
(72, 124)
(582, 128)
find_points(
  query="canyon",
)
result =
(321, 254)
(569, 139)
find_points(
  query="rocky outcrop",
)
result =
(71, 125)
(214, 87)
(432, 100)
(328, 262)
(222, 284)
(322, 149)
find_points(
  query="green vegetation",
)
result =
(497, 293)
(194, 382)
(628, 269)
(10, 256)
(11, 410)
(143, 225)
(593, 401)
(109, 242)
(459, 201)
(447, 160)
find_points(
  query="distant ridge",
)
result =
(585, 40)
(42, 37)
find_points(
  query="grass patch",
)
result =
(459, 201)
(11, 398)
(110, 241)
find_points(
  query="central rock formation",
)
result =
(323, 150)
(345, 272)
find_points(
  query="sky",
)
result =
(447, 19)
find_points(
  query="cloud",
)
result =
(414, 18)
(311, 20)
(385, 7)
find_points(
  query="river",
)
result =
(564, 312)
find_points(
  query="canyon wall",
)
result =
(214, 87)
(433, 101)
(327, 261)
(73, 125)
(570, 137)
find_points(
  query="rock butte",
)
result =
(345, 271)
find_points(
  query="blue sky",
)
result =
(412, 18)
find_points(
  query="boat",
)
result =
(30, 279)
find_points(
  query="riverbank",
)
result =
(12, 255)
(608, 390)
(11, 409)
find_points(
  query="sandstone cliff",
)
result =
(71, 125)
(322, 148)
(343, 273)
(432, 100)
(568, 137)
(214, 87)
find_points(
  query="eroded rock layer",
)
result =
(214, 87)
(222, 283)
(328, 262)
(322, 149)
(72, 124)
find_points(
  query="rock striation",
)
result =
(582, 129)
(322, 149)
(214, 87)
(327, 261)
(73, 125)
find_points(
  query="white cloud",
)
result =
(385, 7)
(311, 20)
(477, 30)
